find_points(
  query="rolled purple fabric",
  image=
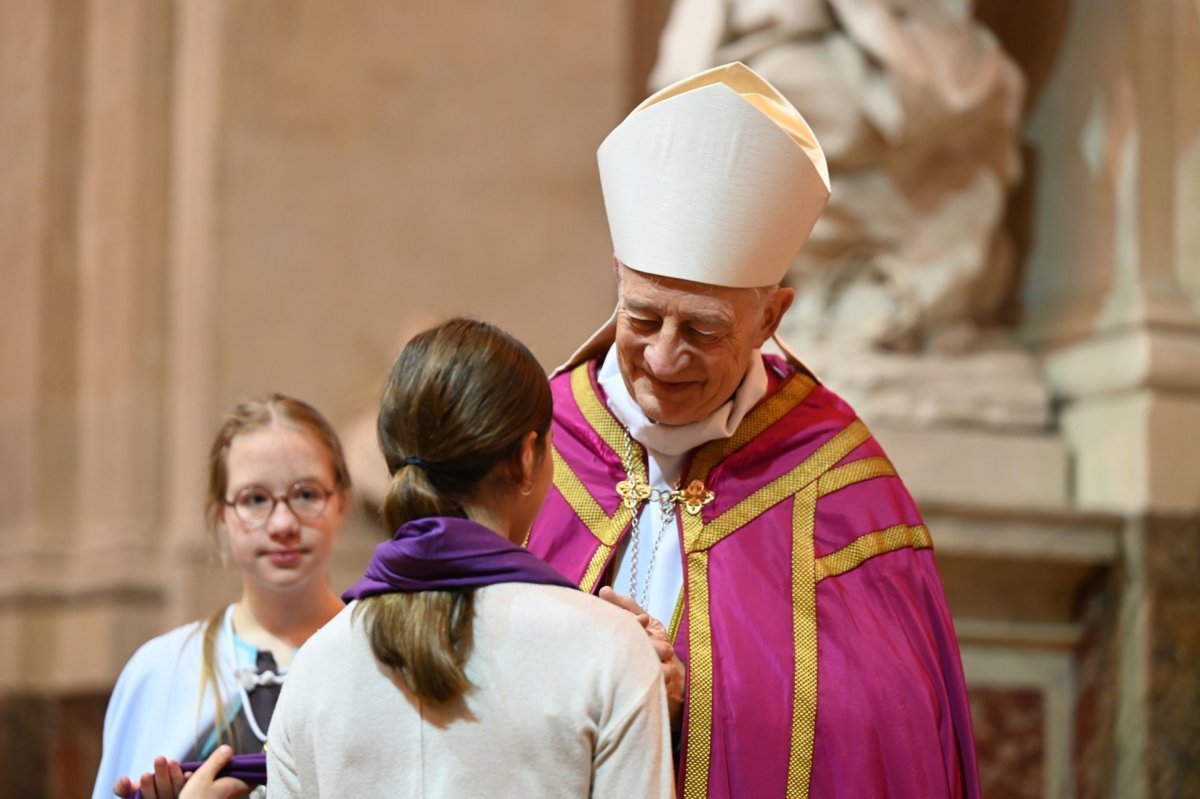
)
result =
(440, 553)
(250, 769)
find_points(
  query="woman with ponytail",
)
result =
(463, 665)
(277, 491)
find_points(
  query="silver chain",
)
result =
(666, 508)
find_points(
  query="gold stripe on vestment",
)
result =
(600, 418)
(839, 446)
(595, 568)
(865, 547)
(676, 618)
(698, 753)
(804, 641)
(606, 529)
(858, 471)
(603, 526)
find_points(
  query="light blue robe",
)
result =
(156, 707)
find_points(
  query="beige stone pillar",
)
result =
(1121, 123)
(1111, 284)
(26, 66)
(25, 62)
(192, 272)
(84, 326)
(119, 327)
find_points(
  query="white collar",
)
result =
(678, 439)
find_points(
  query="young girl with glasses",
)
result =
(278, 488)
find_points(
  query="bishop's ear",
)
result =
(775, 305)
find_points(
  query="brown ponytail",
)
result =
(425, 637)
(458, 401)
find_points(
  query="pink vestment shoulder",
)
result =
(821, 656)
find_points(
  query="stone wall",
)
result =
(1171, 711)
(205, 200)
(209, 200)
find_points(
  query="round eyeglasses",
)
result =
(254, 504)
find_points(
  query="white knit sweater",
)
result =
(568, 702)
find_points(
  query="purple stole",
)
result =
(820, 653)
(442, 553)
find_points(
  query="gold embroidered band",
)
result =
(857, 471)
(700, 680)
(865, 547)
(794, 392)
(606, 529)
(779, 489)
(804, 641)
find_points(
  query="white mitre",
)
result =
(715, 179)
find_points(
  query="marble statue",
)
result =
(901, 283)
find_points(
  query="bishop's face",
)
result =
(683, 347)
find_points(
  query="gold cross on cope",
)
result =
(633, 491)
(694, 497)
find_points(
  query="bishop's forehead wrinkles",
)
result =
(703, 316)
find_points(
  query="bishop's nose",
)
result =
(665, 357)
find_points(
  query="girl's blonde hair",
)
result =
(248, 416)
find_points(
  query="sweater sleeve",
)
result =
(283, 778)
(633, 748)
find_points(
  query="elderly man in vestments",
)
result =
(727, 492)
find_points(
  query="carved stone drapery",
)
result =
(917, 108)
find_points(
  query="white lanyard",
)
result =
(248, 677)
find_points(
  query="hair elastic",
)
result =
(415, 460)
